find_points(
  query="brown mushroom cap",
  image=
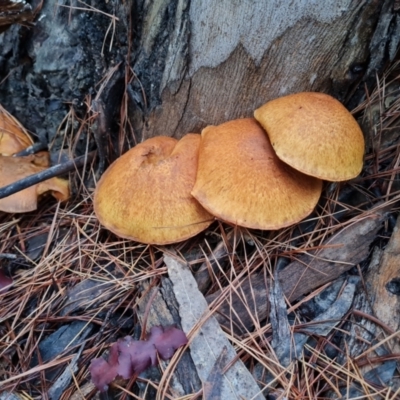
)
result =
(315, 134)
(145, 194)
(13, 136)
(13, 169)
(240, 180)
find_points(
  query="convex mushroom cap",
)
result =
(145, 194)
(241, 181)
(315, 134)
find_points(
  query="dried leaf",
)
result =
(5, 282)
(13, 136)
(167, 341)
(104, 372)
(13, 169)
(130, 357)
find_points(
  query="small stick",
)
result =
(38, 146)
(57, 170)
(8, 256)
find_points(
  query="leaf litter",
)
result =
(207, 338)
(129, 357)
(5, 282)
(344, 349)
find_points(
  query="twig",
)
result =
(38, 146)
(57, 170)
(8, 256)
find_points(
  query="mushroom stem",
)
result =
(52, 172)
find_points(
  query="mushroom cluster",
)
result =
(154, 204)
(262, 173)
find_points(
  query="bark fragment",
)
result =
(342, 252)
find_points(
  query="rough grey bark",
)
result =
(195, 62)
(47, 69)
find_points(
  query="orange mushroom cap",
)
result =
(13, 136)
(145, 194)
(240, 180)
(315, 134)
(13, 169)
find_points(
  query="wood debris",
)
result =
(207, 340)
(383, 282)
(340, 253)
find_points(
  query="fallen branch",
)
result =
(51, 172)
(38, 146)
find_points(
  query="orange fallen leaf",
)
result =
(13, 136)
(13, 169)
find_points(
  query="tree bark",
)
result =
(194, 63)
(224, 59)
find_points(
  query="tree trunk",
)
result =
(193, 63)
(226, 58)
